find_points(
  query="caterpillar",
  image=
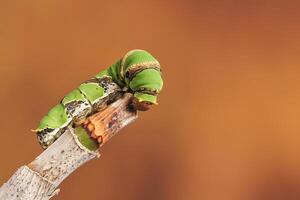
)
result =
(137, 72)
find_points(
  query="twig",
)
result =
(40, 179)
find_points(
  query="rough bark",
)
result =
(40, 179)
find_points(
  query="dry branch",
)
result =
(40, 179)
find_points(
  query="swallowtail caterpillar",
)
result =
(137, 72)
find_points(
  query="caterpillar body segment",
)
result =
(53, 125)
(76, 105)
(137, 72)
(89, 97)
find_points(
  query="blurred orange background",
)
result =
(227, 125)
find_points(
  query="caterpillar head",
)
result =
(142, 74)
(141, 106)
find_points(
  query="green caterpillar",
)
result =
(137, 72)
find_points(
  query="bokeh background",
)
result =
(227, 125)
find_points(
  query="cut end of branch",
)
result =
(105, 124)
